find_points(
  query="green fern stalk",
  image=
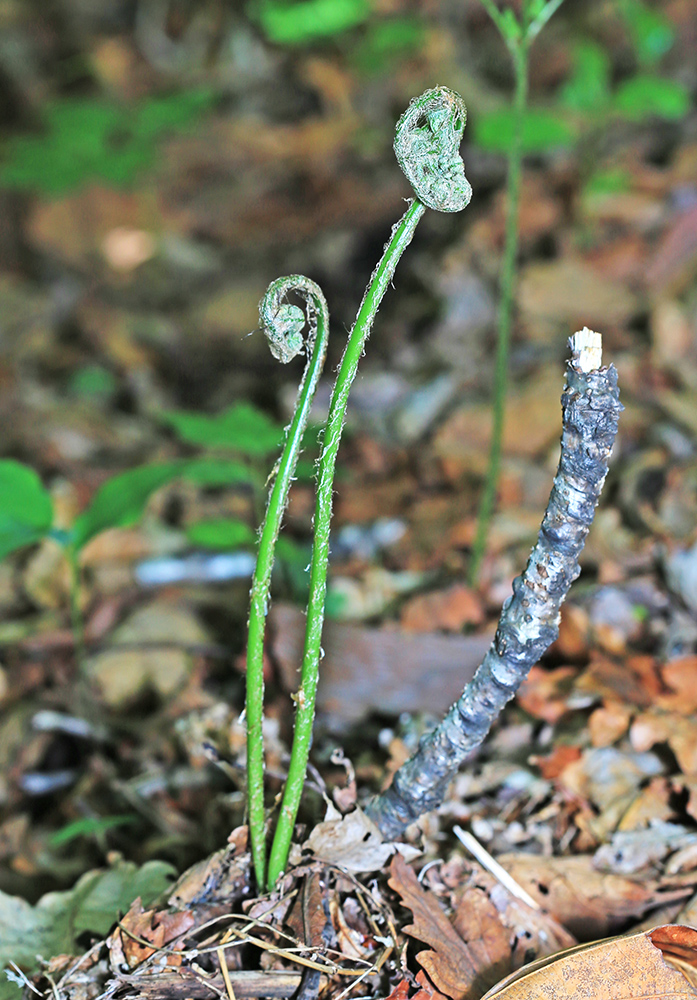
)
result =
(427, 145)
(283, 325)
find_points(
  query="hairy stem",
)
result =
(306, 694)
(508, 274)
(427, 145)
(529, 620)
(283, 324)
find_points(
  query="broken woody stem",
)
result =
(529, 621)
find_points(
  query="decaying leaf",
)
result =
(449, 963)
(590, 903)
(647, 966)
(127, 947)
(353, 842)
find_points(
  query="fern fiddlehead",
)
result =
(427, 148)
(283, 324)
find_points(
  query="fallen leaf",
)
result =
(588, 902)
(448, 609)
(370, 668)
(139, 925)
(544, 693)
(449, 964)
(608, 723)
(623, 968)
(352, 841)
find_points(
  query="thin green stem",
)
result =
(305, 698)
(76, 621)
(538, 23)
(283, 324)
(508, 275)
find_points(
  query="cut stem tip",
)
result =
(587, 349)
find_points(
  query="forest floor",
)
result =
(132, 263)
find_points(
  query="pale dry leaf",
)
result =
(647, 966)
(353, 842)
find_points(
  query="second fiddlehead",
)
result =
(427, 148)
(283, 324)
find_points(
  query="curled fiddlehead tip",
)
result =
(427, 146)
(283, 322)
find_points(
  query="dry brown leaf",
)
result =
(448, 609)
(139, 926)
(544, 694)
(449, 964)
(623, 968)
(681, 677)
(588, 902)
(478, 922)
(608, 723)
(427, 990)
(371, 668)
(678, 732)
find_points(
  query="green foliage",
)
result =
(646, 95)
(242, 428)
(92, 382)
(387, 41)
(588, 88)
(26, 511)
(225, 533)
(93, 904)
(651, 32)
(217, 472)
(86, 139)
(542, 131)
(122, 499)
(299, 22)
(608, 182)
(88, 826)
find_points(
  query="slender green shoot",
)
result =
(518, 36)
(427, 147)
(283, 325)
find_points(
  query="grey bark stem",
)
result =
(529, 620)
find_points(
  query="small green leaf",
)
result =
(52, 926)
(221, 534)
(217, 472)
(651, 32)
(511, 26)
(297, 22)
(88, 826)
(26, 511)
(608, 182)
(86, 138)
(542, 131)
(646, 96)
(242, 428)
(122, 499)
(92, 382)
(588, 87)
(386, 42)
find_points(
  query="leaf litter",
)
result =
(586, 792)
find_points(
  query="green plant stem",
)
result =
(508, 274)
(305, 698)
(282, 324)
(76, 621)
